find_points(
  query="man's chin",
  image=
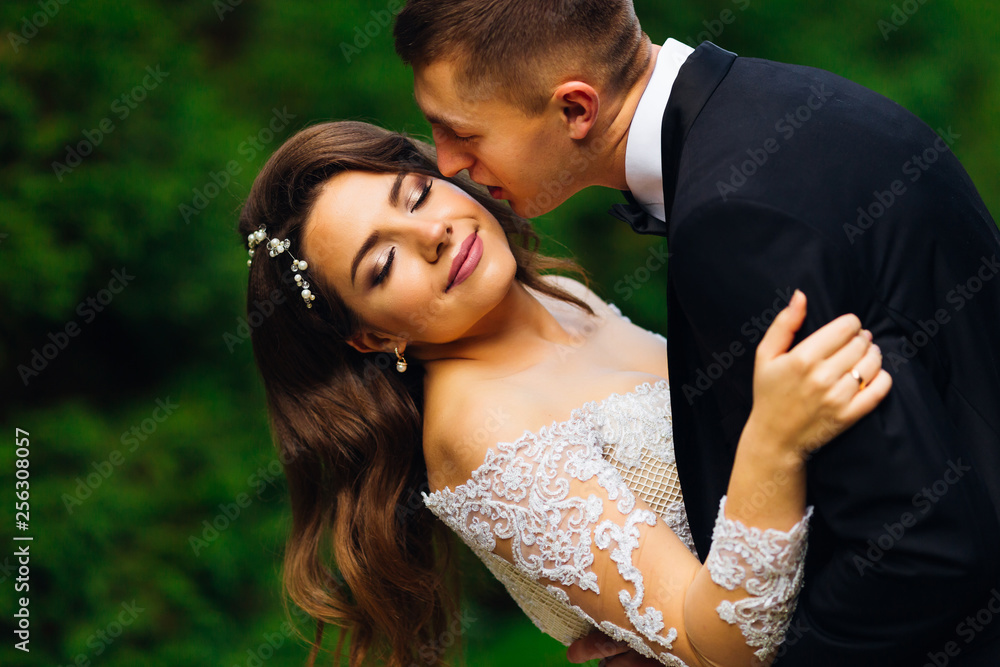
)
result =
(526, 208)
(531, 209)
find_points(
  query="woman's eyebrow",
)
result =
(373, 237)
(394, 191)
(362, 251)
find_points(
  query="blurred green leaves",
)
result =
(62, 235)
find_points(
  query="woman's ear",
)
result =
(368, 341)
(579, 104)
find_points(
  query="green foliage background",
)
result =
(230, 64)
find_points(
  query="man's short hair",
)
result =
(521, 49)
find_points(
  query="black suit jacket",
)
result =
(779, 177)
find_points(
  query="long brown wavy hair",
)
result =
(364, 553)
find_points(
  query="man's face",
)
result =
(523, 159)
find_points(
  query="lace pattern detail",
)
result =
(616, 633)
(548, 613)
(638, 436)
(638, 423)
(521, 493)
(768, 565)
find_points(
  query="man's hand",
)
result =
(598, 645)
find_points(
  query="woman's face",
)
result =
(415, 257)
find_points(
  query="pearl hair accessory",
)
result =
(275, 248)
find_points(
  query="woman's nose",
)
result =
(433, 237)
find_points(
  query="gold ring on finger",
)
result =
(857, 376)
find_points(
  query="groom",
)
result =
(764, 178)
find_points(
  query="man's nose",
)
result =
(452, 160)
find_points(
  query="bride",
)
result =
(417, 358)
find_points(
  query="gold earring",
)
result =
(400, 362)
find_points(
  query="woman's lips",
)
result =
(466, 260)
(495, 191)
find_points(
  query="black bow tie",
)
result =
(636, 216)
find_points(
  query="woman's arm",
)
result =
(788, 422)
(802, 399)
(554, 508)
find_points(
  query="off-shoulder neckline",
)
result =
(577, 415)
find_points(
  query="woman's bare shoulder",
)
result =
(575, 288)
(464, 417)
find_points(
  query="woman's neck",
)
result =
(518, 330)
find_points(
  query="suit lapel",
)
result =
(698, 78)
(694, 430)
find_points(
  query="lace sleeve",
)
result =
(768, 566)
(552, 506)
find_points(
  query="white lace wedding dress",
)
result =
(524, 492)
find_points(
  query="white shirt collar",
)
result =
(643, 163)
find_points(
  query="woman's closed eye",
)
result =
(418, 196)
(383, 272)
(421, 194)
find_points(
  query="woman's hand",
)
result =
(806, 396)
(803, 397)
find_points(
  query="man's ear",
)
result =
(579, 104)
(368, 341)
